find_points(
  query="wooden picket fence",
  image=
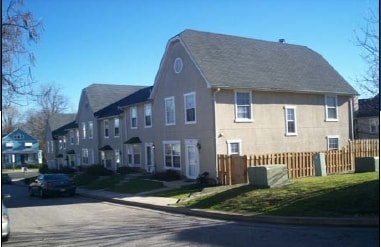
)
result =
(232, 169)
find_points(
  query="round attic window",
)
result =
(178, 65)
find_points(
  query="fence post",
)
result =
(319, 164)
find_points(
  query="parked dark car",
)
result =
(52, 184)
(6, 179)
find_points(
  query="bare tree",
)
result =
(51, 100)
(10, 118)
(368, 40)
(19, 29)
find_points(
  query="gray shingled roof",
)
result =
(236, 62)
(102, 95)
(58, 120)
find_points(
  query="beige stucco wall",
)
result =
(170, 84)
(266, 133)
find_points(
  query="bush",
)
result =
(168, 175)
(97, 170)
(127, 170)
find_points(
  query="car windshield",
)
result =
(55, 177)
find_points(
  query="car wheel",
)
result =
(41, 192)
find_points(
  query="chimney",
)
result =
(282, 40)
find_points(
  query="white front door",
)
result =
(192, 159)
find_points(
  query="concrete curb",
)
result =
(287, 220)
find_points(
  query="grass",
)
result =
(331, 196)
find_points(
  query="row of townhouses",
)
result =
(213, 94)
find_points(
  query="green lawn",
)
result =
(336, 195)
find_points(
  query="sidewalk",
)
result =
(168, 205)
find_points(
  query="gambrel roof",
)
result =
(227, 61)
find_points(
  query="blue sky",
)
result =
(123, 41)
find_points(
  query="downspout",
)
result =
(216, 129)
(351, 133)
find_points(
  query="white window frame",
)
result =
(172, 155)
(330, 137)
(116, 127)
(91, 129)
(71, 137)
(328, 108)
(117, 158)
(229, 146)
(85, 156)
(133, 116)
(77, 136)
(106, 128)
(236, 107)
(287, 120)
(133, 152)
(83, 130)
(171, 111)
(192, 96)
(148, 114)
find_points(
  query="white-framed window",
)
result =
(172, 154)
(91, 157)
(134, 154)
(106, 128)
(332, 142)
(290, 120)
(170, 111)
(133, 117)
(28, 145)
(85, 156)
(331, 113)
(374, 126)
(117, 157)
(116, 127)
(64, 142)
(243, 107)
(190, 107)
(71, 134)
(91, 130)
(10, 145)
(234, 147)
(77, 136)
(83, 130)
(148, 115)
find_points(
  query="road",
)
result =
(78, 221)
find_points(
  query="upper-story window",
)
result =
(83, 130)
(77, 136)
(331, 108)
(148, 115)
(116, 127)
(106, 128)
(91, 130)
(190, 107)
(18, 136)
(290, 119)
(71, 137)
(133, 117)
(170, 111)
(243, 107)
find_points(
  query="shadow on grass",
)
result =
(355, 200)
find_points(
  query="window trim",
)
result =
(185, 107)
(145, 115)
(167, 99)
(106, 128)
(91, 130)
(83, 130)
(164, 155)
(327, 118)
(116, 127)
(333, 137)
(236, 118)
(286, 108)
(229, 142)
(134, 110)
